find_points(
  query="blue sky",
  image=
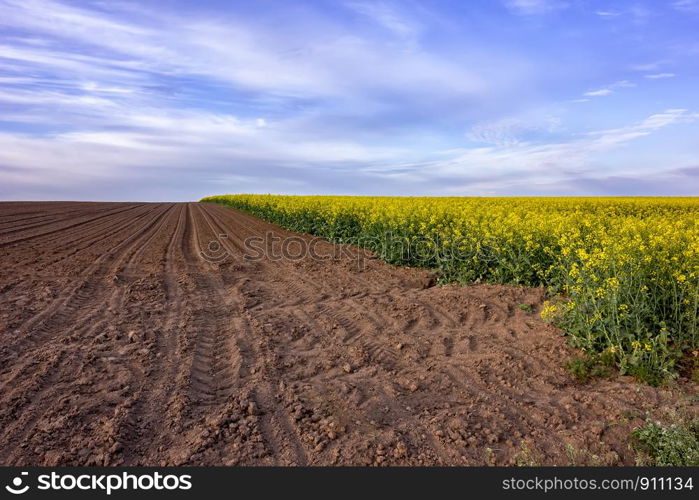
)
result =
(174, 100)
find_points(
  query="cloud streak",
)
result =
(607, 14)
(537, 159)
(609, 90)
(598, 93)
(659, 76)
(686, 5)
(535, 7)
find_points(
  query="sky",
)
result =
(175, 100)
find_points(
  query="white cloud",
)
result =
(600, 92)
(96, 87)
(609, 89)
(668, 117)
(390, 17)
(173, 138)
(512, 131)
(165, 143)
(622, 84)
(329, 62)
(534, 7)
(501, 133)
(686, 5)
(550, 162)
(658, 76)
(141, 100)
(652, 66)
(79, 103)
(607, 13)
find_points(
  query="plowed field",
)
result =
(136, 334)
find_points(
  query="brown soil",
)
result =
(121, 345)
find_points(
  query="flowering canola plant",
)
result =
(625, 271)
